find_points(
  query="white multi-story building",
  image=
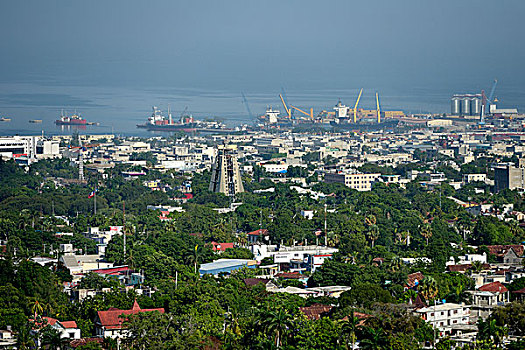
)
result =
(360, 182)
(445, 316)
(275, 168)
(30, 147)
(467, 178)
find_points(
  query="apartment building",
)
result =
(446, 315)
(508, 176)
(359, 182)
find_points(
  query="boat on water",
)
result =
(158, 122)
(36, 121)
(4, 119)
(73, 119)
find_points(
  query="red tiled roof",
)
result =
(360, 316)
(50, 320)
(413, 278)
(289, 275)
(84, 341)
(68, 324)
(465, 267)
(110, 318)
(260, 232)
(520, 291)
(222, 246)
(315, 311)
(255, 281)
(501, 250)
(494, 287)
(111, 270)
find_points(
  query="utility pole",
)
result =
(434, 342)
(440, 187)
(124, 227)
(325, 232)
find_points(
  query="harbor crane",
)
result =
(245, 101)
(491, 96)
(378, 109)
(311, 114)
(288, 110)
(182, 114)
(486, 99)
(356, 103)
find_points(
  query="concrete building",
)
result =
(508, 176)
(226, 176)
(445, 316)
(360, 182)
(30, 147)
(487, 298)
(467, 178)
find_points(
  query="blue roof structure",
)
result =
(225, 266)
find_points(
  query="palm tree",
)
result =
(25, 339)
(409, 296)
(277, 322)
(23, 218)
(193, 258)
(333, 239)
(348, 328)
(231, 322)
(402, 237)
(374, 339)
(373, 230)
(373, 234)
(426, 232)
(37, 309)
(428, 288)
(490, 330)
(242, 239)
(476, 266)
(352, 257)
(395, 264)
(52, 339)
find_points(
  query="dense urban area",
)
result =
(409, 236)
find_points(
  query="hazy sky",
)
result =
(254, 45)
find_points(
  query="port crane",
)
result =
(378, 109)
(245, 101)
(356, 103)
(486, 99)
(182, 114)
(288, 110)
(311, 114)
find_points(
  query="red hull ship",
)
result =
(71, 120)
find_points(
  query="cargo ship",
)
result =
(158, 122)
(71, 120)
